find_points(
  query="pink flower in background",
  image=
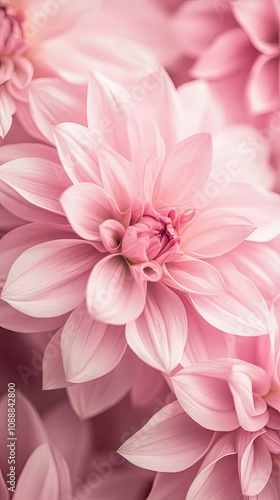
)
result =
(41, 470)
(234, 37)
(45, 62)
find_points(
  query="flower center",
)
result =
(151, 238)
(11, 31)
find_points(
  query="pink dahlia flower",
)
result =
(123, 241)
(229, 385)
(45, 62)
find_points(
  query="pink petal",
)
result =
(38, 181)
(263, 85)
(146, 133)
(53, 369)
(229, 53)
(86, 207)
(7, 110)
(77, 147)
(113, 295)
(248, 385)
(234, 312)
(19, 207)
(11, 319)
(90, 349)
(6, 69)
(261, 264)
(89, 399)
(21, 79)
(258, 205)
(119, 178)
(259, 20)
(53, 101)
(207, 399)
(14, 243)
(215, 232)
(194, 276)
(169, 442)
(45, 475)
(219, 480)
(197, 24)
(158, 336)
(185, 171)
(32, 150)
(254, 463)
(47, 272)
(111, 234)
(106, 110)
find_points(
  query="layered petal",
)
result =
(232, 394)
(45, 273)
(254, 463)
(194, 276)
(87, 206)
(232, 312)
(215, 232)
(52, 101)
(184, 172)
(263, 85)
(259, 20)
(229, 53)
(256, 204)
(38, 181)
(119, 178)
(89, 399)
(53, 369)
(158, 336)
(78, 147)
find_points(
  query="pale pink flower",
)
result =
(45, 62)
(122, 241)
(236, 395)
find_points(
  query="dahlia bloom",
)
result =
(229, 386)
(122, 240)
(45, 62)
